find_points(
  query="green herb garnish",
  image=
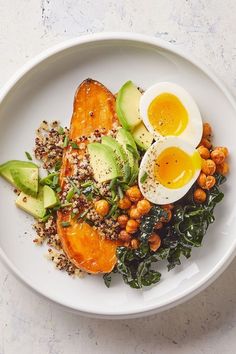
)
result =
(70, 194)
(29, 157)
(133, 151)
(65, 224)
(61, 131)
(144, 177)
(74, 145)
(58, 164)
(65, 142)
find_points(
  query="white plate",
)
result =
(44, 89)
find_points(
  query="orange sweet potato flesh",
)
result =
(94, 108)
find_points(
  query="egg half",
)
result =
(168, 170)
(169, 110)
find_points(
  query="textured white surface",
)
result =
(206, 324)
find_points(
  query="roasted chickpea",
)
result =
(124, 236)
(127, 244)
(144, 206)
(208, 167)
(206, 142)
(202, 180)
(223, 149)
(122, 220)
(218, 156)
(102, 207)
(132, 226)
(134, 194)
(223, 168)
(154, 241)
(207, 131)
(168, 217)
(124, 203)
(204, 152)
(210, 182)
(199, 195)
(134, 243)
(158, 225)
(134, 213)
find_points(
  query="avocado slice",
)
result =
(103, 162)
(142, 136)
(127, 105)
(26, 180)
(118, 150)
(31, 205)
(50, 198)
(12, 164)
(125, 138)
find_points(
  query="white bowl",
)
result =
(44, 89)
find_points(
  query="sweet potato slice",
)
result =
(94, 108)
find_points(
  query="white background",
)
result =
(205, 324)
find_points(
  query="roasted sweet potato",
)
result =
(94, 108)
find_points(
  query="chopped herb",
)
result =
(48, 180)
(70, 194)
(29, 157)
(45, 218)
(112, 211)
(74, 145)
(58, 164)
(61, 131)
(144, 177)
(65, 205)
(65, 224)
(77, 190)
(66, 141)
(120, 192)
(133, 151)
(107, 279)
(113, 184)
(86, 184)
(83, 214)
(127, 172)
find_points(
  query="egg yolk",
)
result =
(167, 115)
(174, 168)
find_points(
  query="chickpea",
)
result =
(158, 225)
(204, 152)
(102, 207)
(168, 217)
(210, 182)
(134, 194)
(218, 156)
(132, 226)
(208, 167)
(134, 243)
(124, 236)
(202, 180)
(206, 142)
(124, 203)
(207, 130)
(143, 206)
(122, 220)
(199, 195)
(134, 213)
(223, 169)
(127, 244)
(154, 241)
(223, 149)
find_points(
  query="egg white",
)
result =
(153, 190)
(193, 131)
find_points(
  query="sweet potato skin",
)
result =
(94, 108)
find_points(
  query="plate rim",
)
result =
(161, 44)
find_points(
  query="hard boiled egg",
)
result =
(168, 170)
(169, 110)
